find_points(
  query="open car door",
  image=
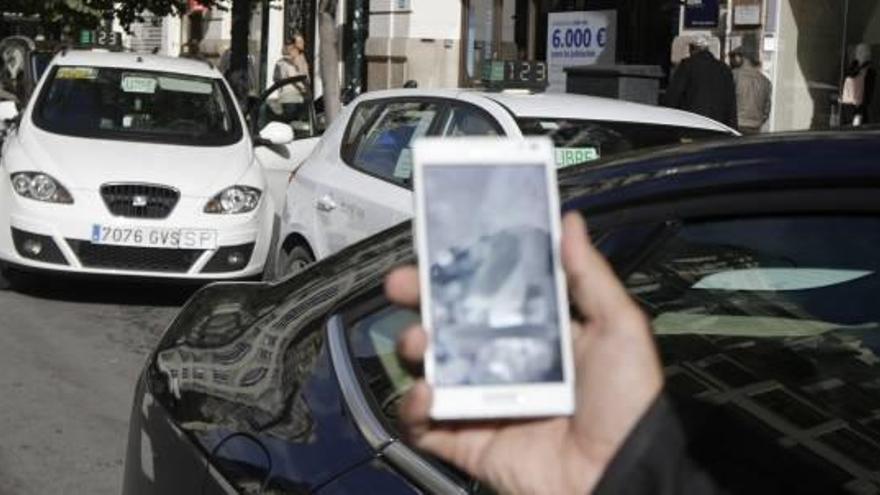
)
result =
(287, 104)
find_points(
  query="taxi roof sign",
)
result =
(100, 38)
(515, 74)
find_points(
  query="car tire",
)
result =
(11, 279)
(296, 261)
(6, 277)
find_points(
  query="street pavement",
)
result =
(70, 353)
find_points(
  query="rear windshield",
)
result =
(581, 141)
(137, 105)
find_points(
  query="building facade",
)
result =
(804, 45)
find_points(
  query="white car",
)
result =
(133, 165)
(357, 180)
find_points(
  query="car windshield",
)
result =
(137, 105)
(581, 141)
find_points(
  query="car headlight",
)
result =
(41, 187)
(235, 199)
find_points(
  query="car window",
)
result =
(466, 120)
(774, 322)
(385, 150)
(372, 340)
(581, 141)
(137, 105)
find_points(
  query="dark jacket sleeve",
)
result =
(677, 85)
(654, 459)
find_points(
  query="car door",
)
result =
(280, 103)
(377, 148)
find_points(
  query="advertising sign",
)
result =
(701, 14)
(579, 38)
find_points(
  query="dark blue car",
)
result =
(758, 262)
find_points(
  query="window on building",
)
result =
(495, 30)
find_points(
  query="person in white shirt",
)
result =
(293, 96)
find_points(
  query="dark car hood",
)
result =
(245, 370)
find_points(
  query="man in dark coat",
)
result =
(704, 85)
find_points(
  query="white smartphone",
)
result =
(494, 300)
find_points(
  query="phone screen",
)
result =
(494, 302)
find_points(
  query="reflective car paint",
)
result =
(294, 409)
(294, 311)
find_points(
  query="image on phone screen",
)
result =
(494, 306)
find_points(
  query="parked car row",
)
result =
(131, 165)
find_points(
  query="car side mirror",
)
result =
(276, 133)
(8, 111)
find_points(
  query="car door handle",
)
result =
(326, 203)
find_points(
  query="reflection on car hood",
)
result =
(86, 164)
(252, 358)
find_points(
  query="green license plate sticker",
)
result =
(139, 84)
(566, 157)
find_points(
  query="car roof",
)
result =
(159, 63)
(566, 106)
(570, 106)
(793, 159)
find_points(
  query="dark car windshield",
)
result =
(137, 105)
(581, 141)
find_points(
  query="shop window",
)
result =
(494, 30)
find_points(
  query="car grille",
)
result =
(139, 200)
(134, 258)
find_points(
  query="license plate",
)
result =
(154, 237)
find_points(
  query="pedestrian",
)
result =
(293, 63)
(615, 442)
(704, 85)
(754, 91)
(858, 88)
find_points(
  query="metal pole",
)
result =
(264, 44)
(843, 41)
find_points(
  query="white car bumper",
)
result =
(64, 235)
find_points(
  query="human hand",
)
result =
(617, 377)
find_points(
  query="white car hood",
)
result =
(86, 164)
